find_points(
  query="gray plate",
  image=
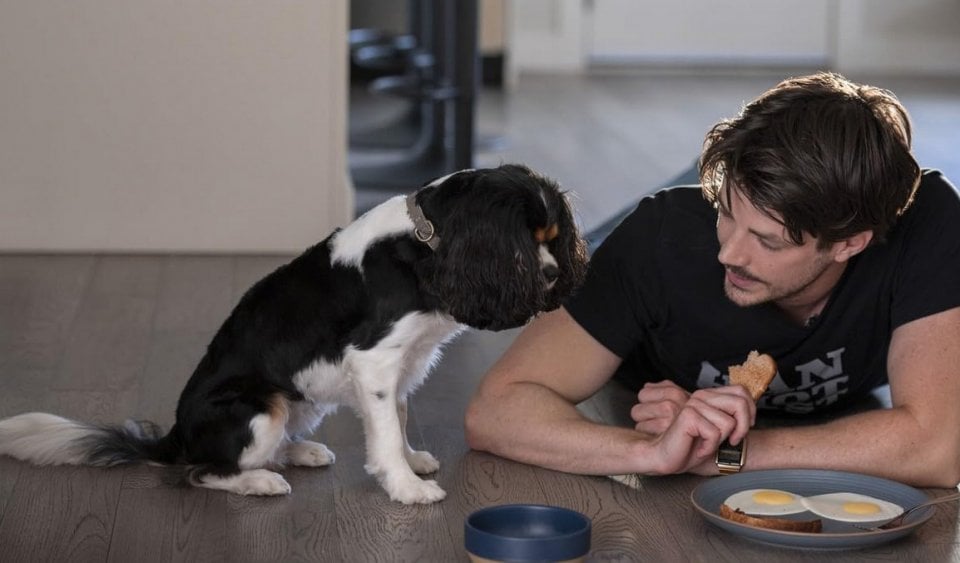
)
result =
(709, 495)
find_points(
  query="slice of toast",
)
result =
(755, 374)
(769, 522)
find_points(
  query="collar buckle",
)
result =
(423, 228)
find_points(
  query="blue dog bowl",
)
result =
(527, 532)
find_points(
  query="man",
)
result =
(815, 238)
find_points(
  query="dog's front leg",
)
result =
(375, 384)
(422, 462)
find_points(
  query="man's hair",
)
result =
(830, 157)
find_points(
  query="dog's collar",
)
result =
(423, 229)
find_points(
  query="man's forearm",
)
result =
(534, 425)
(887, 443)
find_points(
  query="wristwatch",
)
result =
(731, 458)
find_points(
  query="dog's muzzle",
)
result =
(549, 267)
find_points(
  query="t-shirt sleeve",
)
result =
(612, 303)
(928, 276)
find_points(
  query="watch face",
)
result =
(730, 454)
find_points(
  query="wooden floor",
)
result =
(108, 337)
(105, 338)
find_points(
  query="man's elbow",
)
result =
(941, 479)
(474, 425)
(951, 482)
(947, 474)
(941, 469)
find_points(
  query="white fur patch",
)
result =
(44, 439)
(389, 218)
(269, 433)
(547, 259)
(443, 179)
(309, 454)
(306, 416)
(325, 386)
(410, 350)
(249, 482)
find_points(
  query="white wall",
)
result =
(704, 32)
(544, 35)
(919, 37)
(182, 125)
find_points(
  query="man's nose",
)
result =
(732, 252)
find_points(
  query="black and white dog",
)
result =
(356, 320)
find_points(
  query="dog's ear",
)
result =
(486, 270)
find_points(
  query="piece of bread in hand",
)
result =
(769, 522)
(755, 374)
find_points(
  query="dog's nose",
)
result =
(551, 273)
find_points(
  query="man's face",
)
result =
(762, 263)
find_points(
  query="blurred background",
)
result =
(613, 97)
(217, 126)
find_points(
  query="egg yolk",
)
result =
(772, 497)
(860, 508)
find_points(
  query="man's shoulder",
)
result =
(936, 184)
(919, 263)
(644, 217)
(689, 195)
(935, 190)
(662, 222)
(667, 204)
(936, 204)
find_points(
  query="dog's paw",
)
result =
(422, 462)
(262, 482)
(416, 491)
(249, 482)
(309, 454)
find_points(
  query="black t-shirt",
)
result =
(654, 297)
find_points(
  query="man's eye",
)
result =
(773, 247)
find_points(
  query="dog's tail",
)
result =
(46, 439)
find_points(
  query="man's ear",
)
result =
(847, 248)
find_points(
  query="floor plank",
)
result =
(109, 337)
(298, 527)
(61, 514)
(184, 525)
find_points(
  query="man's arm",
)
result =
(916, 442)
(525, 410)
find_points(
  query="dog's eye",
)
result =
(546, 234)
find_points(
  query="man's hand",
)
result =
(707, 417)
(659, 404)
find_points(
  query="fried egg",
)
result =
(765, 502)
(851, 507)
